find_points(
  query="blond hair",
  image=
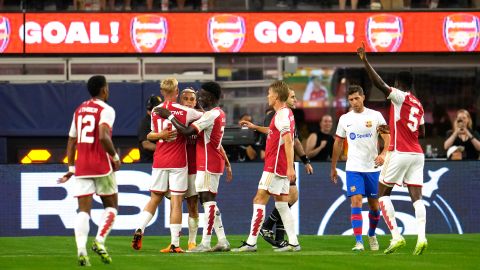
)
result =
(282, 90)
(469, 123)
(168, 86)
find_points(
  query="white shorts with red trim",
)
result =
(402, 169)
(274, 184)
(207, 182)
(102, 186)
(172, 180)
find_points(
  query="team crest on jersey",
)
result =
(434, 202)
(4, 33)
(384, 32)
(226, 33)
(149, 33)
(368, 124)
(353, 189)
(461, 32)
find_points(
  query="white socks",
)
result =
(421, 216)
(388, 213)
(209, 208)
(145, 218)
(192, 229)
(257, 220)
(175, 234)
(218, 225)
(108, 218)
(288, 222)
(81, 227)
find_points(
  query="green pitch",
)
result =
(325, 252)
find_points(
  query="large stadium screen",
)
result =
(207, 33)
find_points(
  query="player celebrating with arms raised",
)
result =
(90, 134)
(360, 127)
(278, 171)
(405, 160)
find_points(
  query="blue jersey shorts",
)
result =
(365, 183)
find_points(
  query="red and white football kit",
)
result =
(274, 177)
(210, 161)
(93, 162)
(405, 160)
(169, 169)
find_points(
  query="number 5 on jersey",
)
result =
(413, 119)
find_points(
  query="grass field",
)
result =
(320, 252)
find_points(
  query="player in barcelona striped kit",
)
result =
(405, 160)
(360, 127)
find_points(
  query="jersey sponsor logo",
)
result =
(384, 32)
(148, 33)
(461, 32)
(354, 136)
(4, 33)
(432, 199)
(226, 33)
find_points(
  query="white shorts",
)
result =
(207, 182)
(102, 186)
(192, 190)
(402, 169)
(274, 184)
(173, 180)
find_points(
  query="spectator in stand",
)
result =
(126, 5)
(463, 135)
(245, 152)
(394, 4)
(320, 144)
(342, 4)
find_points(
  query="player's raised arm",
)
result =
(337, 149)
(372, 74)
(166, 114)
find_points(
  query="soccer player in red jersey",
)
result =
(169, 169)
(90, 134)
(210, 161)
(274, 218)
(405, 160)
(278, 171)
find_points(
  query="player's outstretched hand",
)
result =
(308, 168)
(333, 175)
(116, 165)
(247, 124)
(162, 112)
(361, 52)
(229, 174)
(65, 178)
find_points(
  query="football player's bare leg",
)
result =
(176, 219)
